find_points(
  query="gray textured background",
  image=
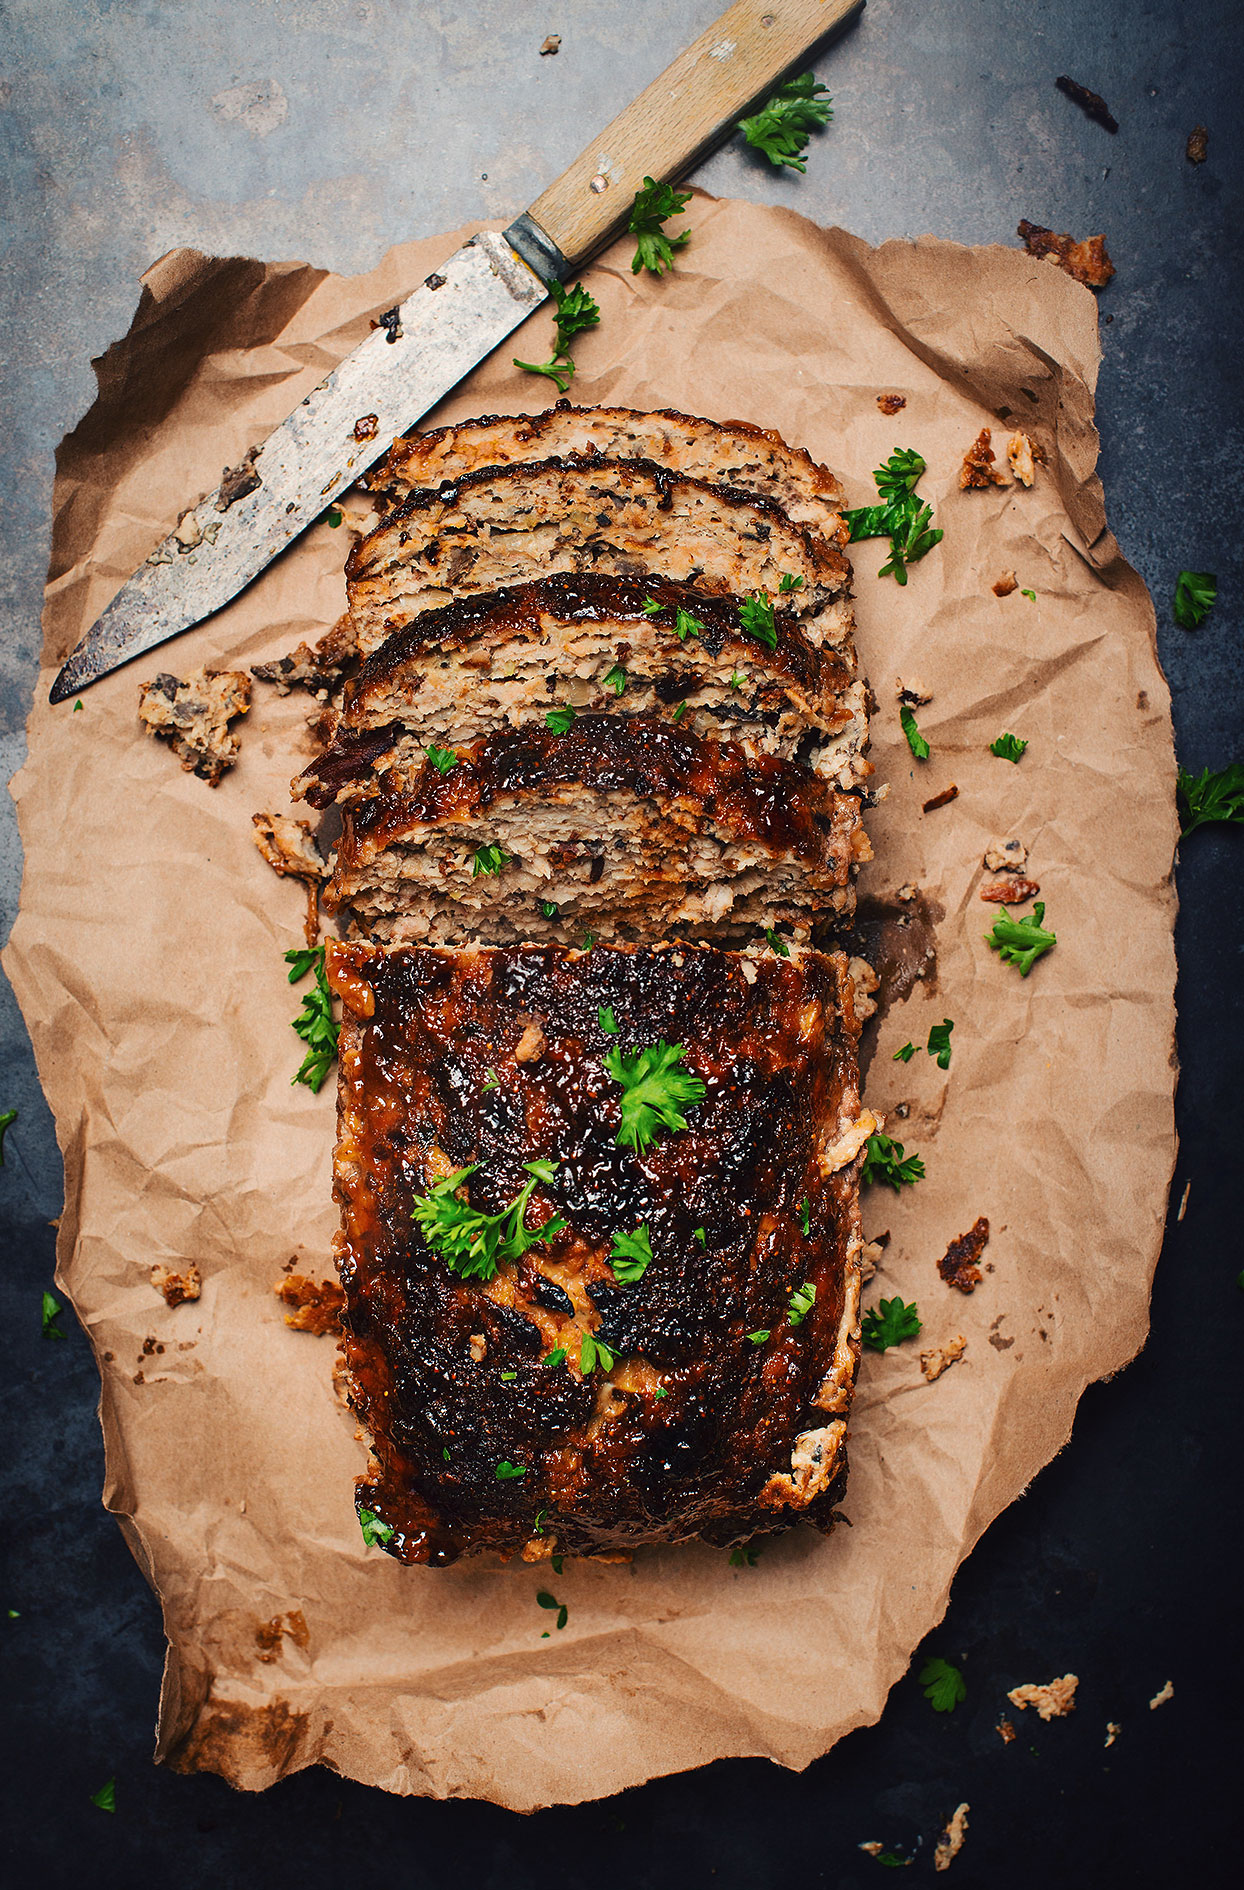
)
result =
(327, 130)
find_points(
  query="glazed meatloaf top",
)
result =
(729, 453)
(556, 1391)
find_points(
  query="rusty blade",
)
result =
(443, 330)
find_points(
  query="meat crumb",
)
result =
(289, 849)
(1019, 457)
(1183, 1202)
(913, 694)
(950, 1843)
(177, 1287)
(1011, 891)
(1006, 856)
(1092, 104)
(1197, 148)
(316, 1308)
(864, 981)
(959, 1266)
(1053, 1701)
(193, 715)
(237, 481)
(891, 403)
(1006, 1732)
(1113, 1729)
(978, 471)
(873, 1846)
(1004, 585)
(531, 1045)
(477, 1345)
(870, 1257)
(1086, 260)
(947, 795)
(1160, 1698)
(940, 1358)
(551, 45)
(907, 892)
(322, 666)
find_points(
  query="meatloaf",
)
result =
(728, 453)
(567, 1336)
(634, 828)
(628, 646)
(627, 518)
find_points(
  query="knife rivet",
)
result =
(599, 183)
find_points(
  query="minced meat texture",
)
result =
(960, 1264)
(193, 715)
(1086, 260)
(693, 1430)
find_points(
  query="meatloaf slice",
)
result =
(623, 645)
(726, 453)
(629, 828)
(547, 1391)
(505, 525)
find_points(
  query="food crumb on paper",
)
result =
(319, 667)
(1163, 1695)
(871, 1254)
(891, 403)
(941, 1357)
(1006, 856)
(177, 1287)
(1086, 260)
(914, 694)
(289, 849)
(950, 1843)
(316, 1308)
(1019, 457)
(1113, 1729)
(1004, 585)
(864, 981)
(947, 795)
(1011, 891)
(193, 714)
(978, 471)
(1054, 1700)
(1006, 1732)
(959, 1266)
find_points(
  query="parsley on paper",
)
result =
(545, 1600)
(1021, 941)
(105, 1799)
(1030, 595)
(915, 740)
(939, 1042)
(1196, 592)
(574, 311)
(506, 1471)
(77, 707)
(444, 760)
(475, 1244)
(488, 860)
(631, 1255)
(6, 1123)
(592, 1353)
(889, 1324)
(616, 679)
(883, 1161)
(654, 205)
(802, 1300)
(314, 1023)
(759, 1336)
(901, 517)
(1203, 798)
(607, 1021)
(51, 1313)
(756, 617)
(782, 129)
(1007, 747)
(904, 1055)
(745, 1556)
(654, 1090)
(943, 1685)
(333, 516)
(374, 1531)
(776, 942)
(790, 582)
(560, 720)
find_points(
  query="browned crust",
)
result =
(1086, 260)
(959, 1265)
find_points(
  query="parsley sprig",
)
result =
(1196, 593)
(52, 1310)
(1008, 747)
(561, 721)
(939, 1042)
(545, 1600)
(756, 617)
(1021, 941)
(1203, 798)
(655, 1091)
(575, 311)
(654, 205)
(884, 1161)
(444, 760)
(631, 1255)
(315, 1023)
(474, 1244)
(6, 1123)
(489, 859)
(902, 517)
(889, 1324)
(943, 1685)
(375, 1532)
(592, 1353)
(802, 1300)
(782, 129)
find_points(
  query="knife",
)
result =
(447, 326)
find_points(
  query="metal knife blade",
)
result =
(443, 330)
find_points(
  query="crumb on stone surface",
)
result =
(1183, 1201)
(1019, 457)
(1197, 148)
(1006, 856)
(1004, 585)
(177, 1287)
(193, 714)
(1086, 260)
(941, 1357)
(978, 471)
(551, 45)
(959, 1265)
(1113, 1729)
(316, 1308)
(1054, 1700)
(891, 403)
(1163, 1694)
(1092, 104)
(951, 1841)
(1011, 891)
(1006, 1732)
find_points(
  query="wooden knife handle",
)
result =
(693, 103)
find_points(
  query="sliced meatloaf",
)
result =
(632, 828)
(727, 453)
(627, 646)
(531, 1379)
(625, 518)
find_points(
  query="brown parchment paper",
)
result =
(147, 957)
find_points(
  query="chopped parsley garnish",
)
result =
(685, 625)
(560, 720)
(549, 908)
(802, 1300)
(574, 311)
(545, 1600)
(592, 1353)
(652, 608)
(314, 1023)
(506, 1377)
(759, 1336)
(1203, 798)
(939, 1042)
(805, 1217)
(105, 1799)
(557, 1356)
(77, 707)
(555, 1562)
(493, 1080)
(1030, 595)
(745, 1556)
(333, 516)
(488, 860)
(1021, 941)
(616, 679)
(737, 679)
(589, 939)
(631, 1255)
(374, 1531)
(915, 740)
(660, 1392)
(1008, 747)
(943, 1685)
(679, 712)
(883, 1161)
(904, 1055)
(1195, 595)
(782, 129)
(444, 760)
(51, 1312)
(901, 516)
(654, 1090)
(889, 1324)
(700, 1235)
(607, 1021)
(475, 1244)
(756, 617)
(790, 582)
(506, 1471)
(6, 1123)
(654, 205)
(776, 942)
